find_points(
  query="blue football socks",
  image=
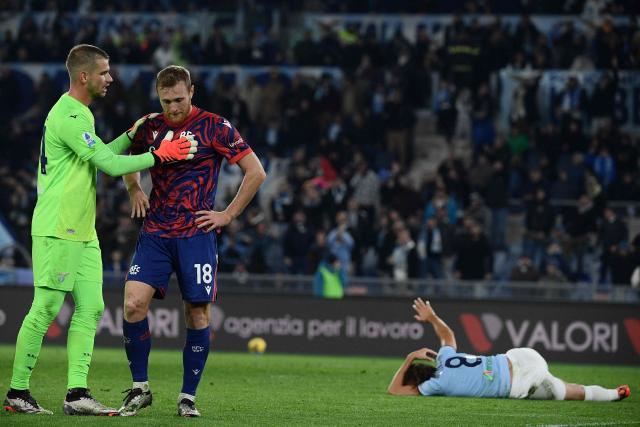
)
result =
(137, 344)
(194, 357)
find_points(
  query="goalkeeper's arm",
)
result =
(115, 165)
(120, 144)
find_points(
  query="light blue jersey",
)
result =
(460, 374)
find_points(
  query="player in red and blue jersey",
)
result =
(179, 231)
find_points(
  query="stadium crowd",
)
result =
(338, 152)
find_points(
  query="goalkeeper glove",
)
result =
(182, 148)
(131, 133)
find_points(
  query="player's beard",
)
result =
(180, 117)
(96, 91)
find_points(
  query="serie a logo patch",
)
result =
(88, 139)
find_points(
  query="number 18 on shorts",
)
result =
(193, 259)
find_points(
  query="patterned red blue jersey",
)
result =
(180, 189)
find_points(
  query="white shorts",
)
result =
(529, 371)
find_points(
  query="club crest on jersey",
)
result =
(88, 139)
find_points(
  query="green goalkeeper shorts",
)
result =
(60, 264)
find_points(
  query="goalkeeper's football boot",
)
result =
(135, 400)
(623, 392)
(80, 402)
(21, 401)
(187, 408)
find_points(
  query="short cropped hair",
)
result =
(82, 58)
(418, 373)
(171, 75)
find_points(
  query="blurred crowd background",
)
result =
(392, 155)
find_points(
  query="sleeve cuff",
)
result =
(235, 159)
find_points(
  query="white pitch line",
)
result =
(609, 423)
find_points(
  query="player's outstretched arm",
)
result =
(254, 176)
(426, 314)
(117, 165)
(396, 387)
(137, 197)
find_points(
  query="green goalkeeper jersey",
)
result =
(66, 206)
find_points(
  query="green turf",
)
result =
(275, 389)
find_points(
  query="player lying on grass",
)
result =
(521, 373)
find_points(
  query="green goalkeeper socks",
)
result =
(45, 307)
(89, 308)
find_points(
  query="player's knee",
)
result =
(134, 309)
(43, 312)
(89, 314)
(197, 319)
(558, 387)
(98, 309)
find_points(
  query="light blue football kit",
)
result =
(461, 374)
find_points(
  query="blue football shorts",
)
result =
(193, 259)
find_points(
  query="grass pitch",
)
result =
(281, 390)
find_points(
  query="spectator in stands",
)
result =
(297, 241)
(552, 273)
(524, 271)
(497, 201)
(217, 50)
(625, 189)
(399, 122)
(340, 242)
(445, 106)
(442, 200)
(259, 239)
(613, 233)
(385, 242)
(539, 221)
(306, 50)
(482, 131)
(623, 260)
(473, 254)
(165, 54)
(116, 264)
(234, 249)
(580, 225)
(430, 250)
(602, 102)
(605, 167)
(404, 257)
(572, 102)
(366, 187)
(330, 279)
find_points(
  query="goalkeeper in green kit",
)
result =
(66, 253)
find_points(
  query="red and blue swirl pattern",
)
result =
(180, 189)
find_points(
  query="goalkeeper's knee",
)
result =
(88, 314)
(45, 307)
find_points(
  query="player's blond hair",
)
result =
(171, 75)
(83, 58)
